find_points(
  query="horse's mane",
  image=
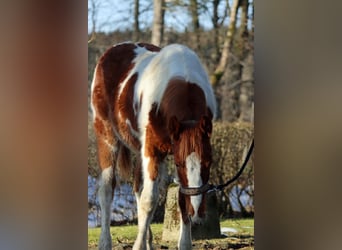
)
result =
(191, 141)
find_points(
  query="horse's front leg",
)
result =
(149, 236)
(147, 201)
(184, 242)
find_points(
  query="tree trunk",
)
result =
(158, 22)
(216, 30)
(228, 43)
(246, 88)
(93, 14)
(136, 31)
(210, 228)
(172, 216)
(195, 23)
(230, 91)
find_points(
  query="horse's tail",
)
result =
(124, 162)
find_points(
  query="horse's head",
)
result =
(192, 155)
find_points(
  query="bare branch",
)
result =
(236, 83)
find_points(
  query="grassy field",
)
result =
(123, 237)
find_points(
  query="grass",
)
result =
(127, 234)
(242, 225)
(123, 234)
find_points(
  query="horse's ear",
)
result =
(206, 125)
(174, 128)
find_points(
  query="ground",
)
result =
(124, 236)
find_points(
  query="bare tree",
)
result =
(158, 22)
(195, 23)
(136, 31)
(228, 43)
(215, 21)
(247, 56)
(93, 11)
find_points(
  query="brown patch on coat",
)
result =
(157, 141)
(115, 64)
(184, 100)
(99, 127)
(137, 176)
(202, 207)
(105, 154)
(149, 47)
(185, 207)
(112, 67)
(100, 101)
(125, 101)
(105, 142)
(124, 161)
(124, 107)
(183, 200)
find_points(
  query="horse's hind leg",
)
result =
(147, 199)
(107, 154)
(105, 193)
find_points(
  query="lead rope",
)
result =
(222, 186)
(207, 188)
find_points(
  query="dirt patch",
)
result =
(233, 242)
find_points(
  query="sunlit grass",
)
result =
(128, 233)
(242, 225)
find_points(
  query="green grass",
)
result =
(245, 226)
(127, 234)
(123, 233)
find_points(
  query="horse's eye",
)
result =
(177, 165)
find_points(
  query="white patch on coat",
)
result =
(131, 129)
(193, 166)
(172, 61)
(107, 176)
(141, 60)
(105, 194)
(91, 95)
(111, 146)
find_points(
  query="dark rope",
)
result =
(210, 187)
(221, 186)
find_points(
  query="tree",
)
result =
(247, 57)
(228, 43)
(195, 23)
(215, 21)
(93, 12)
(136, 31)
(158, 22)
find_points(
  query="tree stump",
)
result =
(210, 227)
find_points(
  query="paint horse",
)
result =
(152, 102)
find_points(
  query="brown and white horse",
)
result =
(152, 102)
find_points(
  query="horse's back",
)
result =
(114, 66)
